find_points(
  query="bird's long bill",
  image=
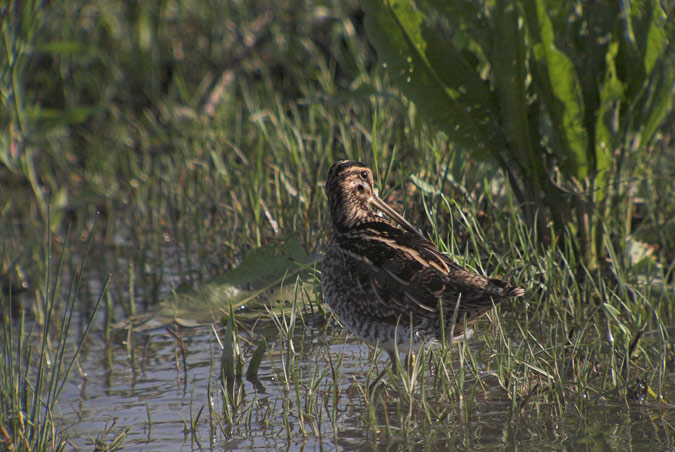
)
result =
(384, 207)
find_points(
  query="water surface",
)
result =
(114, 390)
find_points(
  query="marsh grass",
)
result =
(185, 192)
(575, 343)
(521, 364)
(109, 440)
(38, 359)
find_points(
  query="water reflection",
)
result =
(168, 401)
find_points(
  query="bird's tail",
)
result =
(510, 292)
(507, 291)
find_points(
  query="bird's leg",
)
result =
(377, 381)
(379, 377)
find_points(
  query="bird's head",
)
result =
(352, 196)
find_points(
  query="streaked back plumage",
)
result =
(385, 281)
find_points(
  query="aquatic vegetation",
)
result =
(197, 137)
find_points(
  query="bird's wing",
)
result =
(408, 273)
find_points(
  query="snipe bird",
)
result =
(385, 281)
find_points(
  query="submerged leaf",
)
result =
(260, 276)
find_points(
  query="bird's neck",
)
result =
(346, 223)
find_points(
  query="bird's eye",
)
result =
(364, 175)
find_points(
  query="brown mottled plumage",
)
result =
(381, 279)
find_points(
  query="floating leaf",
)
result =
(264, 275)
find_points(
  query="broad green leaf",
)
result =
(607, 121)
(258, 279)
(646, 65)
(649, 65)
(561, 91)
(587, 42)
(659, 102)
(643, 40)
(509, 71)
(645, 30)
(433, 74)
(467, 18)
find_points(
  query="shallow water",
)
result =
(113, 390)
